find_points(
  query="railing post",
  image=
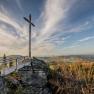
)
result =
(4, 60)
(4, 63)
(16, 65)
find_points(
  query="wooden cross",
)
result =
(30, 23)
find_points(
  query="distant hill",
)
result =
(83, 57)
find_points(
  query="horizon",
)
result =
(49, 56)
(63, 27)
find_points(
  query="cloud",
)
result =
(19, 4)
(78, 42)
(52, 14)
(55, 27)
(13, 36)
(80, 11)
(70, 47)
(52, 29)
(86, 39)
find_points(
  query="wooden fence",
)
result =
(7, 66)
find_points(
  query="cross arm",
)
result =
(29, 22)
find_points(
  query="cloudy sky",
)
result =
(63, 27)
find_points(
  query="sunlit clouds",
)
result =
(59, 30)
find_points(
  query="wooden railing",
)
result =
(9, 65)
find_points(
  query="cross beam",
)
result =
(30, 24)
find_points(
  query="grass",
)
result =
(72, 78)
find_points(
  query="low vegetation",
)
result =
(72, 78)
(63, 78)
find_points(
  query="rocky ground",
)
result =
(27, 81)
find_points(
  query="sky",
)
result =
(63, 27)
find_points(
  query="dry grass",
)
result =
(72, 78)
